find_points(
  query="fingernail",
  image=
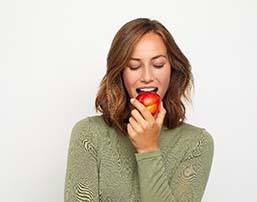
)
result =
(132, 100)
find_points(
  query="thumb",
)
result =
(161, 115)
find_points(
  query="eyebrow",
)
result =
(157, 56)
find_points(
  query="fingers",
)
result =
(135, 125)
(161, 115)
(143, 110)
(138, 117)
(131, 132)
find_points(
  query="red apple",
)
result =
(150, 100)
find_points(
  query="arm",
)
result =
(81, 182)
(189, 180)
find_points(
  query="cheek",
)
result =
(164, 75)
(164, 79)
(129, 78)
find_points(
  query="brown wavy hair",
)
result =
(112, 98)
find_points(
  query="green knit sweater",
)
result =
(103, 165)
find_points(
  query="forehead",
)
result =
(150, 45)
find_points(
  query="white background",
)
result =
(53, 56)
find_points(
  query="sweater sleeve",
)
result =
(81, 182)
(190, 177)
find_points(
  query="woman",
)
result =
(126, 154)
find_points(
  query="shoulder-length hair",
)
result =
(112, 99)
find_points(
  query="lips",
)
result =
(147, 89)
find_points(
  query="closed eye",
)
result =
(158, 66)
(133, 68)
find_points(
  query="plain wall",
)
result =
(53, 56)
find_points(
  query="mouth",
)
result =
(143, 89)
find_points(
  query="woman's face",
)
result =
(148, 66)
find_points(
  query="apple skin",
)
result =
(150, 100)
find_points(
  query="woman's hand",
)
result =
(143, 128)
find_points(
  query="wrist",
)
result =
(140, 151)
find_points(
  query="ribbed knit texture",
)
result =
(103, 165)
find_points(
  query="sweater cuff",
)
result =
(148, 155)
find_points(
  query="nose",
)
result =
(147, 74)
